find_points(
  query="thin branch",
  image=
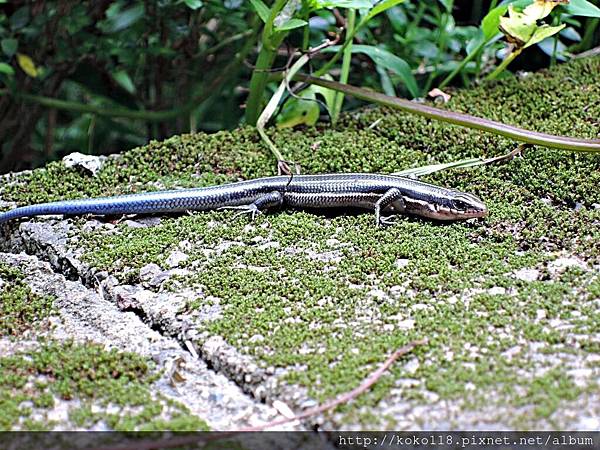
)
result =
(344, 398)
(348, 396)
(588, 53)
(283, 167)
(225, 42)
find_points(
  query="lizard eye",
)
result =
(460, 205)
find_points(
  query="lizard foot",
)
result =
(250, 209)
(387, 220)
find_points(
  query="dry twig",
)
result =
(342, 399)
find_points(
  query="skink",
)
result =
(381, 193)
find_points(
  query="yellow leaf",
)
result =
(27, 64)
(542, 33)
(520, 27)
(517, 27)
(541, 8)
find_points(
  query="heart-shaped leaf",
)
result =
(517, 27)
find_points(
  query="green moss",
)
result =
(92, 375)
(547, 391)
(19, 306)
(85, 371)
(83, 416)
(178, 422)
(333, 295)
(72, 371)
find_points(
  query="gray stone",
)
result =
(87, 163)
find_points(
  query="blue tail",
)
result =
(32, 210)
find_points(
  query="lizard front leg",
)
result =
(392, 196)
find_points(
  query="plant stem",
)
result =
(272, 106)
(225, 42)
(587, 40)
(588, 36)
(556, 21)
(441, 41)
(414, 23)
(516, 52)
(306, 29)
(350, 34)
(339, 96)
(258, 83)
(268, 31)
(271, 40)
(461, 66)
(461, 119)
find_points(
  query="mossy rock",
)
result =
(508, 304)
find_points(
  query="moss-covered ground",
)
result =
(95, 384)
(19, 307)
(509, 304)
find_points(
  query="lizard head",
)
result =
(459, 205)
(448, 205)
(467, 206)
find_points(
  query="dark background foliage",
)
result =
(103, 76)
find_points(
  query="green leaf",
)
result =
(386, 81)
(5, 68)
(521, 27)
(350, 4)
(124, 80)
(193, 4)
(286, 14)
(327, 94)
(543, 32)
(9, 46)
(262, 10)
(582, 8)
(382, 6)
(463, 163)
(19, 18)
(291, 24)
(299, 111)
(389, 61)
(540, 9)
(305, 110)
(119, 20)
(491, 22)
(517, 26)
(475, 42)
(447, 4)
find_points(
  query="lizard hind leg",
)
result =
(258, 206)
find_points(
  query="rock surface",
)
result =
(247, 323)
